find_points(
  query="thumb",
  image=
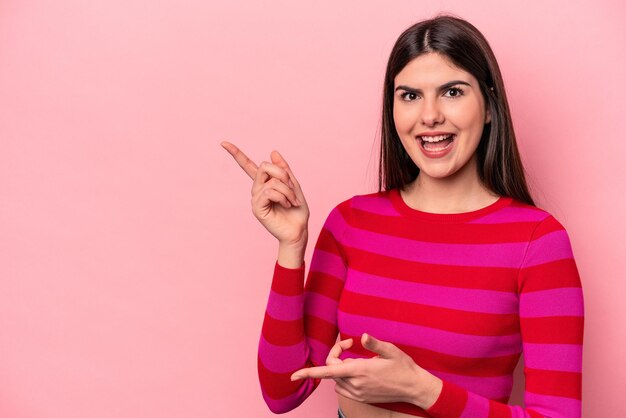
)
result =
(382, 348)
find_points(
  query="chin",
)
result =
(438, 174)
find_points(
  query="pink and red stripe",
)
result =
(465, 295)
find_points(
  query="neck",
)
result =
(461, 192)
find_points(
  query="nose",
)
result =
(431, 113)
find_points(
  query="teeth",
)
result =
(435, 138)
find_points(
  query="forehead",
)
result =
(431, 69)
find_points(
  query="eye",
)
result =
(457, 92)
(408, 96)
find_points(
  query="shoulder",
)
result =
(547, 239)
(548, 259)
(343, 212)
(540, 219)
(373, 202)
(361, 200)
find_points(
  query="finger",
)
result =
(266, 171)
(273, 195)
(339, 348)
(343, 388)
(332, 360)
(324, 372)
(382, 348)
(280, 160)
(282, 188)
(333, 355)
(346, 383)
(242, 159)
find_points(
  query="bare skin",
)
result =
(352, 408)
(449, 184)
(278, 203)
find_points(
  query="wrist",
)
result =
(291, 255)
(428, 389)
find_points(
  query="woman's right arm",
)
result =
(290, 256)
(300, 324)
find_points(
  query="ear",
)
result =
(487, 117)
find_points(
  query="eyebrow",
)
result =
(440, 88)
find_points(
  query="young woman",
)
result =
(438, 282)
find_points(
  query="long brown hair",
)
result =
(499, 164)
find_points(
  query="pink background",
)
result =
(133, 275)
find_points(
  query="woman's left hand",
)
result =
(392, 376)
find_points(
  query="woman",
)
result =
(438, 282)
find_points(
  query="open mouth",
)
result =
(436, 143)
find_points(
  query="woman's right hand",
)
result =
(277, 199)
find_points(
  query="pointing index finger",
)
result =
(242, 159)
(324, 372)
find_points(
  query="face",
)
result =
(439, 101)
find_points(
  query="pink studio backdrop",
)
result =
(133, 275)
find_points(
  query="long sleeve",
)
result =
(300, 324)
(551, 312)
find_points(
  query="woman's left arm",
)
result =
(551, 310)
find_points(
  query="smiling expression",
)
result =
(434, 97)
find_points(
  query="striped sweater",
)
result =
(463, 294)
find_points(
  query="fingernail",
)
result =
(298, 201)
(296, 377)
(291, 184)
